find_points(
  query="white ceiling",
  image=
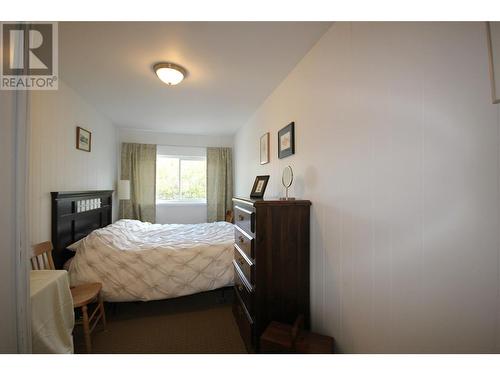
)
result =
(232, 68)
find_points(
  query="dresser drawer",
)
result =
(243, 288)
(244, 322)
(244, 218)
(246, 265)
(244, 242)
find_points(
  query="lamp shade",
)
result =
(169, 73)
(124, 190)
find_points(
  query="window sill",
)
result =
(181, 203)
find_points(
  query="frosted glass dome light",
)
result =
(169, 73)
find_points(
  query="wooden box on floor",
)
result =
(284, 338)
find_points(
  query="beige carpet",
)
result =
(198, 324)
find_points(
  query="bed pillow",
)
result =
(74, 246)
(67, 264)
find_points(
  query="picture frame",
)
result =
(286, 141)
(493, 39)
(264, 149)
(259, 186)
(83, 139)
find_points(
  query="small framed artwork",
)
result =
(264, 149)
(286, 141)
(493, 36)
(83, 139)
(259, 186)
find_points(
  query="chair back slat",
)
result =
(50, 262)
(42, 257)
(42, 248)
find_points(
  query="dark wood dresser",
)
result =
(271, 264)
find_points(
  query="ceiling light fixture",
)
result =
(171, 74)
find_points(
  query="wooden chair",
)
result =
(42, 257)
(82, 294)
(284, 338)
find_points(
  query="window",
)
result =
(181, 179)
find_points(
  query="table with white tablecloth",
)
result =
(52, 314)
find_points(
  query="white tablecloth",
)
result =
(52, 315)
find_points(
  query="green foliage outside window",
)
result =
(179, 178)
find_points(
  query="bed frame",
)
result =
(69, 225)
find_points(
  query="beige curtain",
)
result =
(138, 165)
(219, 182)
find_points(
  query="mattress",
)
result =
(138, 261)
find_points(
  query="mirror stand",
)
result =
(286, 197)
(286, 180)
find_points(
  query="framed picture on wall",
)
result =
(264, 149)
(493, 36)
(286, 141)
(259, 187)
(83, 139)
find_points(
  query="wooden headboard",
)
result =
(74, 215)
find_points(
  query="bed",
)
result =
(138, 261)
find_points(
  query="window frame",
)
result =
(181, 202)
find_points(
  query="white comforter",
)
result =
(138, 261)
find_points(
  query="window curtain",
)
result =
(138, 165)
(219, 182)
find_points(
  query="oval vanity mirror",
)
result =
(286, 180)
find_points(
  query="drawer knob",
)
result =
(241, 217)
(241, 239)
(240, 261)
(240, 288)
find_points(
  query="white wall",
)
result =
(189, 213)
(8, 339)
(397, 147)
(169, 139)
(56, 164)
(181, 213)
